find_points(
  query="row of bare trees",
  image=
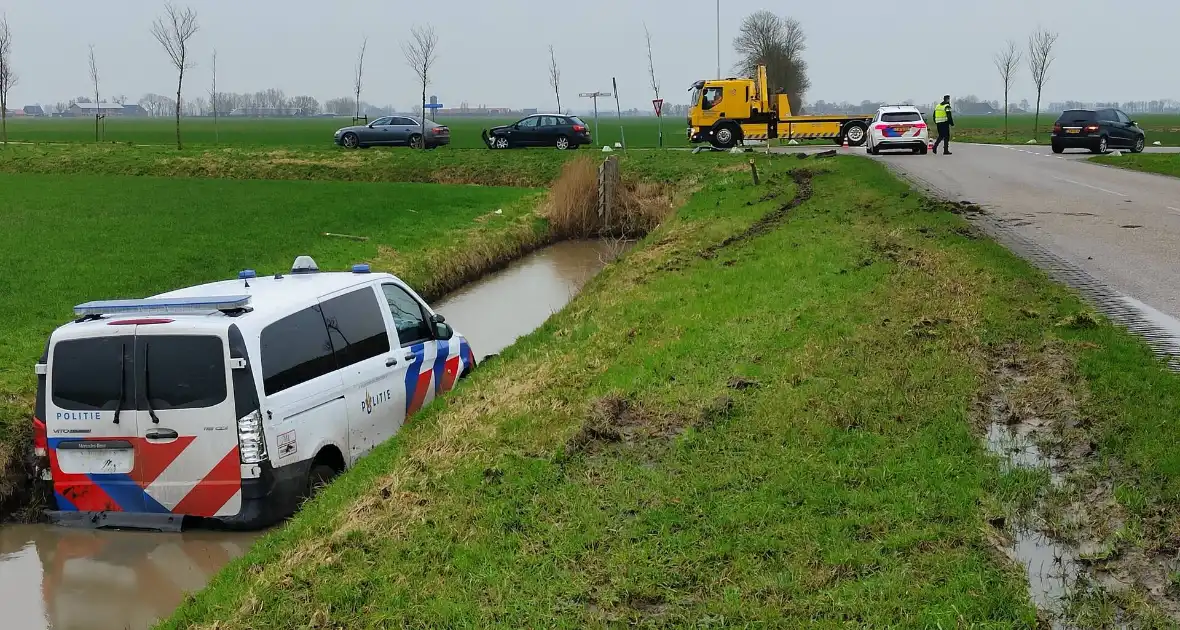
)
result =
(1040, 59)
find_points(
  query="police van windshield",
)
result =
(184, 372)
(896, 117)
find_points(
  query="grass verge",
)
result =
(762, 416)
(1159, 163)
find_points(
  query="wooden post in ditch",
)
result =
(608, 187)
(754, 171)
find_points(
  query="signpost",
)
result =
(434, 106)
(658, 104)
(595, 96)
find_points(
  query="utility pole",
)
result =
(595, 96)
(718, 40)
(619, 108)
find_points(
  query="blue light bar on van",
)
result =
(246, 274)
(163, 306)
(361, 268)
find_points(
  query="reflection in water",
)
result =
(71, 579)
(66, 579)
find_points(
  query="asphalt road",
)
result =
(1121, 227)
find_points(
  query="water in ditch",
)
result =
(71, 579)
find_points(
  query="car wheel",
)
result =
(725, 137)
(319, 476)
(1102, 146)
(1057, 148)
(416, 142)
(856, 134)
(350, 141)
(1140, 142)
(873, 150)
(563, 143)
(923, 150)
(501, 142)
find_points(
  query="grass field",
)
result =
(641, 132)
(1159, 163)
(312, 132)
(691, 443)
(1162, 127)
(73, 238)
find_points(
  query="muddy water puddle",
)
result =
(58, 578)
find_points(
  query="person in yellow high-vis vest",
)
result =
(944, 119)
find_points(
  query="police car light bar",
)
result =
(163, 306)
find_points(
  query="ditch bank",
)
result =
(59, 578)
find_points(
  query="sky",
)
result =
(496, 52)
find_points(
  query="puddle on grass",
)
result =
(59, 578)
(1016, 445)
(1051, 567)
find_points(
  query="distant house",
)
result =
(132, 109)
(91, 109)
(34, 110)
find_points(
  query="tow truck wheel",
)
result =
(725, 137)
(856, 133)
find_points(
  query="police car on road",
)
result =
(232, 401)
(898, 127)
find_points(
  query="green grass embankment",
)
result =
(764, 415)
(770, 413)
(1158, 163)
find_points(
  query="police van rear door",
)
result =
(91, 421)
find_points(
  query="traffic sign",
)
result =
(434, 106)
(659, 105)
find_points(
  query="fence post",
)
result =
(608, 178)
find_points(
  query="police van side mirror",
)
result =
(443, 331)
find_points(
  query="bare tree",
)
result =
(360, 74)
(1040, 58)
(8, 76)
(173, 30)
(97, 102)
(213, 100)
(766, 39)
(655, 84)
(1007, 62)
(555, 76)
(421, 54)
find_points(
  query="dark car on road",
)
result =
(393, 131)
(541, 130)
(1098, 130)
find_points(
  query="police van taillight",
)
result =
(40, 438)
(252, 439)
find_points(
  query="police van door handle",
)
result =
(161, 434)
(390, 362)
(409, 356)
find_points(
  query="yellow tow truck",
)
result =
(727, 112)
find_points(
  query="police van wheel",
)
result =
(320, 476)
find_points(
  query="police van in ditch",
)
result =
(228, 403)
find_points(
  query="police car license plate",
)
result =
(112, 457)
(901, 128)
